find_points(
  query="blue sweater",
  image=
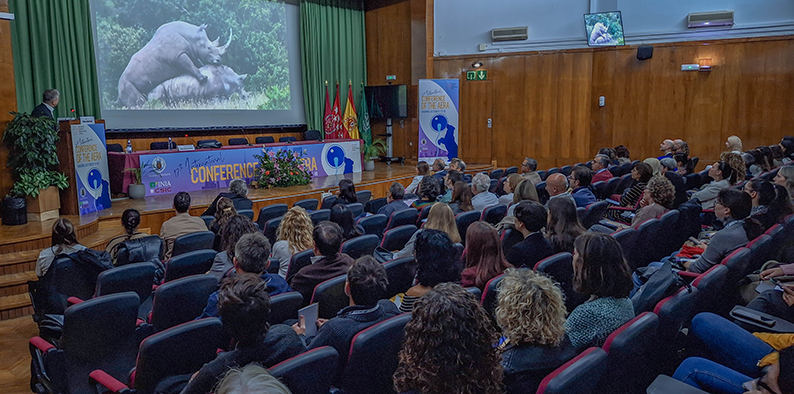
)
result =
(275, 285)
(591, 323)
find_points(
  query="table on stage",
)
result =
(120, 179)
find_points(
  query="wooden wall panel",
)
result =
(8, 95)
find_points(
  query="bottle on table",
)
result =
(169, 143)
(129, 146)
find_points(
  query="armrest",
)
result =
(73, 301)
(41, 344)
(617, 208)
(688, 274)
(101, 377)
(708, 211)
(779, 325)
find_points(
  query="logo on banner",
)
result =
(158, 164)
(335, 160)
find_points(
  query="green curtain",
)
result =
(53, 48)
(333, 49)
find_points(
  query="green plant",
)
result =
(282, 168)
(33, 155)
(376, 148)
(137, 173)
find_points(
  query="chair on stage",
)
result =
(312, 135)
(265, 140)
(287, 139)
(161, 145)
(238, 141)
(115, 148)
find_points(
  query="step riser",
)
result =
(16, 312)
(14, 289)
(18, 268)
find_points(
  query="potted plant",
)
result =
(136, 190)
(32, 159)
(372, 151)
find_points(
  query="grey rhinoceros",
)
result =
(221, 81)
(175, 49)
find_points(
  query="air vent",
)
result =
(710, 19)
(510, 34)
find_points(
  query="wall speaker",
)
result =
(644, 52)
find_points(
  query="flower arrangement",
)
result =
(282, 168)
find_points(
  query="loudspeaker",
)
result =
(644, 52)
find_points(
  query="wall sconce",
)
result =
(705, 65)
(477, 64)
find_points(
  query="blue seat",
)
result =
(560, 268)
(270, 212)
(136, 277)
(363, 196)
(399, 218)
(271, 227)
(298, 261)
(496, 174)
(312, 135)
(401, 273)
(191, 263)
(464, 220)
(374, 224)
(320, 215)
(494, 214)
(594, 212)
(360, 246)
(265, 140)
(311, 372)
(287, 139)
(566, 170)
(308, 204)
(194, 241)
(356, 209)
(632, 360)
(543, 194)
(114, 148)
(284, 306)
(491, 294)
(396, 238)
(330, 294)
(511, 170)
(238, 141)
(249, 213)
(580, 375)
(372, 206)
(423, 214)
(181, 300)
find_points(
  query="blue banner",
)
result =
(438, 119)
(91, 167)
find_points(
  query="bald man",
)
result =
(667, 146)
(557, 186)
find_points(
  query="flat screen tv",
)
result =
(388, 101)
(604, 29)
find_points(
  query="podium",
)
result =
(69, 198)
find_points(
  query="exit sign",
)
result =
(477, 75)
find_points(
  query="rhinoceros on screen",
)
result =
(221, 81)
(177, 48)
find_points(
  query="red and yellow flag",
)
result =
(335, 129)
(350, 120)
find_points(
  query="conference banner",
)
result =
(438, 119)
(169, 173)
(91, 167)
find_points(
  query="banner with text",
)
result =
(168, 173)
(91, 167)
(438, 119)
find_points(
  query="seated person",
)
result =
(328, 261)
(483, 256)
(130, 220)
(294, 234)
(557, 187)
(656, 201)
(439, 218)
(622, 154)
(509, 187)
(531, 348)
(461, 198)
(482, 199)
(785, 178)
(438, 169)
(529, 169)
(580, 183)
(436, 262)
(684, 165)
(531, 218)
(244, 305)
(563, 225)
(238, 193)
(449, 180)
(251, 379)
(737, 361)
(394, 200)
(64, 241)
(776, 303)
(641, 173)
(668, 171)
(724, 176)
(770, 202)
(341, 215)
(223, 213)
(345, 195)
(428, 192)
(524, 191)
(667, 147)
(237, 226)
(181, 224)
(600, 166)
(422, 169)
(365, 287)
(600, 272)
(251, 257)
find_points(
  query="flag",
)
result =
(350, 120)
(363, 124)
(327, 116)
(336, 119)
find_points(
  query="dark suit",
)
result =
(529, 251)
(392, 207)
(41, 111)
(239, 203)
(680, 188)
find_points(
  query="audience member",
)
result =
(436, 262)
(600, 166)
(225, 211)
(785, 178)
(394, 200)
(428, 192)
(529, 169)
(524, 191)
(244, 306)
(724, 176)
(777, 154)
(365, 287)
(601, 273)
(235, 228)
(341, 215)
(563, 226)
(734, 144)
(483, 256)
(509, 187)
(531, 218)
(656, 165)
(438, 170)
(778, 303)
(251, 379)
(460, 166)
(580, 183)
(668, 171)
(448, 346)
(737, 163)
(345, 195)
(130, 220)
(640, 174)
(482, 197)
(328, 261)
(439, 218)
(656, 200)
(684, 165)
(422, 169)
(732, 208)
(449, 180)
(666, 147)
(609, 152)
(238, 193)
(682, 147)
(64, 241)
(181, 224)
(759, 163)
(770, 202)
(557, 186)
(622, 152)
(531, 347)
(787, 149)
(294, 235)
(461, 198)
(251, 257)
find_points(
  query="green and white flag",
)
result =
(363, 120)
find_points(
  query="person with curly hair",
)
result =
(428, 191)
(531, 347)
(234, 229)
(737, 163)
(448, 346)
(130, 220)
(294, 235)
(483, 256)
(656, 200)
(622, 152)
(436, 262)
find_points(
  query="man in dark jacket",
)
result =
(531, 217)
(394, 200)
(47, 108)
(238, 193)
(328, 261)
(668, 170)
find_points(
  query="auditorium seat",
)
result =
(542, 174)
(308, 204)
(400, 218)
(264, 140)
(760, 252)
(287, 139)
(208, 219)
(271, 226)
(360, 246)
(490, 294)
(195, 241)
(374, 224)
(298, 261)
(401, 273)
(136, 277)
(667, 242)
(543, 194)
(191, 263)
(642, 254)
(181, 300)
(331, 297)
(395, 239)
(611, 187)
(511, 170)
(249, 213)
(65, 278)
(356, 209)
(161, 145)
(320, 215)
(580, 375)
(139, 250)
(312, 135)
(494, 214)
(560, 268)
(627, 238)
(510, 237)
(632, 360)
(674, 313)
(599, 188)
(423, 214)
(496, 174)
(270, 212)
(552, 171)
(372, 206)
(115, 148)
(494, 183)
(363, 196)
(594, 212)
(566, 170)
(311, 372)
(500, 187)
(284, 306)
(208, 143)
(464, 220)
(238, 141)
(710, 285)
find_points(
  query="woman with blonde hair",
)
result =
(483, 256)
(439, 218)
(251, 379)
(734, 144)
(510, 185)
(531, 347)
(294, 235)
(735, 160)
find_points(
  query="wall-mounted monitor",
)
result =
(604, 29)
(388, 101)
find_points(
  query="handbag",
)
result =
(658, 283)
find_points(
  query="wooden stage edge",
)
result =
(157, 209)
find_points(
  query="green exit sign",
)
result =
(477, 75)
